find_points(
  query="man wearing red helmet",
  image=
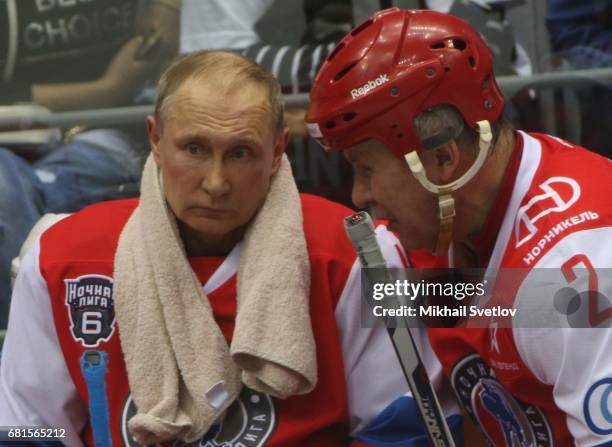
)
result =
(411, 98)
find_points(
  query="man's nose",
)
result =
(216, 181)
(362, 195)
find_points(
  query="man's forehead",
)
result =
(201, 103)
(226, 95)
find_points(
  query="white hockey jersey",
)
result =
(547, 379)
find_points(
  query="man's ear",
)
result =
(442, 163)
(154, 136)
(279, 149)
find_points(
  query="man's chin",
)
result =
(209, 229)
(213, 232)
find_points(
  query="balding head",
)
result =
(226, 71)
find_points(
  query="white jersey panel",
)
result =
(374, 376)
(35, 386)
(576, 361)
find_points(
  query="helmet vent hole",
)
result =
(400, 135)
(485, 83)
(459, 44)
(330, 125)
(472, 61)
(394, 126)
(349, 116)
(447, 69)
(361, 27)
(335, 51)
(344, 71)
(437, 45)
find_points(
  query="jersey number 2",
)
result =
(596, 316)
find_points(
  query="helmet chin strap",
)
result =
(446, 203)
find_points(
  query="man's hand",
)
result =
(142, 58)
(145, 56)
(127, 72)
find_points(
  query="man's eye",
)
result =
(363, 171)
(239, 152)
(194, 149)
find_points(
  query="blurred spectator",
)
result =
(220, 25)
(581, 31)
(581, 36)
(489, 18)
(74, 55)
(78, 55)
(292, 43)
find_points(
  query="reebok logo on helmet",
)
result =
(357, 92)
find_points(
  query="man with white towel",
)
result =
(221, 308)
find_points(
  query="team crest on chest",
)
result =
(89, 299)
(248, 422)
(504, 420)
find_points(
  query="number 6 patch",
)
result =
(92, 310)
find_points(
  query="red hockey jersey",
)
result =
(73, 375)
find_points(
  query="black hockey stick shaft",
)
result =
(360, 230)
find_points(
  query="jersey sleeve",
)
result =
(382, 410)
(35, 386)
(570, 352)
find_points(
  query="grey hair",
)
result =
(443, 122)
(438, 125)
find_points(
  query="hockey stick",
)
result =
(360, 230)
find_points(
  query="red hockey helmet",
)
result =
(395, 65)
